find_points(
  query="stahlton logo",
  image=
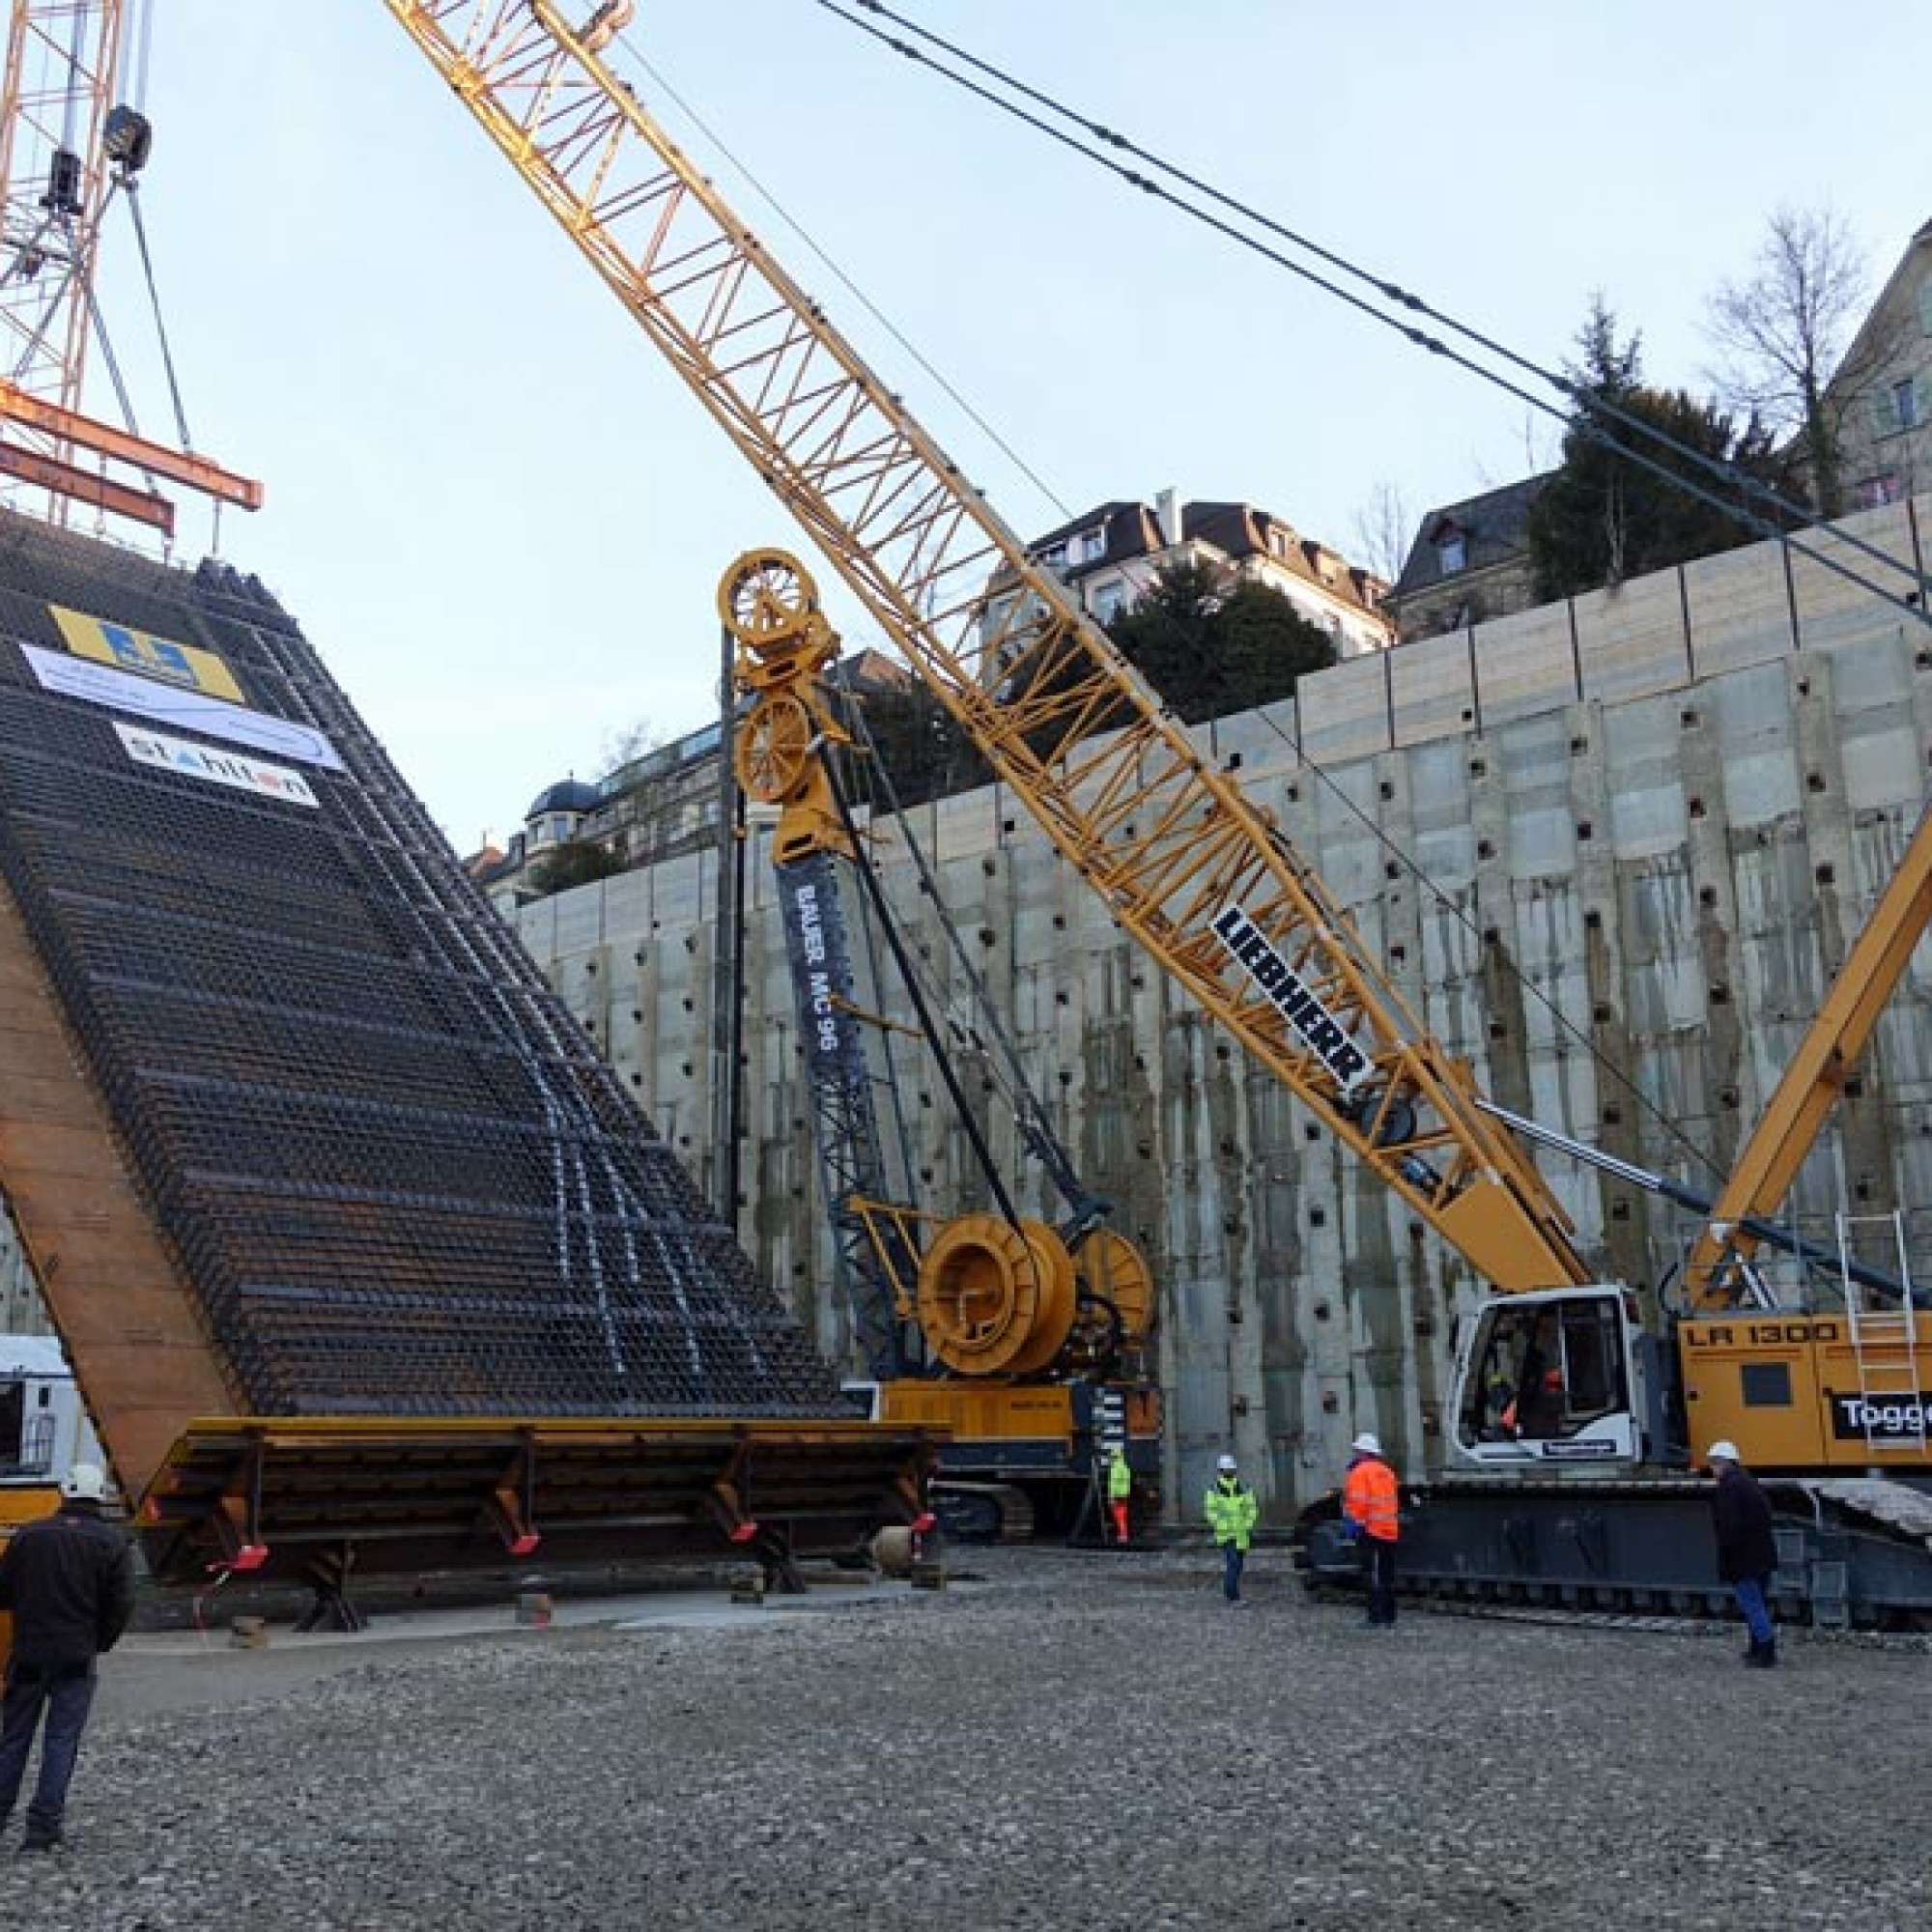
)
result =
(1283, 985)
(1855, 1417)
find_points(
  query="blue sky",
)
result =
(502, 519)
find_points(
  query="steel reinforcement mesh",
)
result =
(401, 1179)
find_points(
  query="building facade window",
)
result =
(1452, 553)
(1875, 492)
(1109, 600)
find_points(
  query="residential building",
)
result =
(1469, 563)
(1110, 556)
(1881, 390)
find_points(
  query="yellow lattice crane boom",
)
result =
(1195, 871)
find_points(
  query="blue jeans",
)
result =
(1233, 1557)
(1749, 1594)
(65, 1701)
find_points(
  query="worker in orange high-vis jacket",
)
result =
(1372, 1506)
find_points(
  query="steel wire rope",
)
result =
(1005, 1065)
(1586, 400)
(1580, 393)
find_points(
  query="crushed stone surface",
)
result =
(1056, 1741)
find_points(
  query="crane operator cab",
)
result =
(1549, 1378)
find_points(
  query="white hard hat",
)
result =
(1723, 1452)
(85, 1483)
(1367, 1443)
(1227, 1465)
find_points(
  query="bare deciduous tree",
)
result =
(1781, 333)
(1384, 530)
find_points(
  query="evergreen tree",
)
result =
(1209, 650)
(1603, 519)
(576, 861)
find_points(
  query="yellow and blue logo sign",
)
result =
(147, 655)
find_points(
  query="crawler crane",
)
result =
(1204, 880)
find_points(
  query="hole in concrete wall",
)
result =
(637, 1016)
(1059, 921)
(691, 1006)
(990, 866)
(1223, 1051)
(1318, 1217)
(1486, 848)
(1311, 1131)
(1804, 686)
(1707, 896)
(1059, 998)
(1579, 745)
(637, 1080)
(1826, 873)
(1728, 1096)
(1499, 1029)
(1863, 1187)
(1322, 1311)
(691, 942)
(1233, 762)
(1066, 1079)
(1721, 995)
(1585, 830)
(1612, 1115)
(1469, 714)
(1391, 871)
(1600, 1013)
(1397, 954)
(688, 1070)
(1853, 1088)
(1330, 1402)
(1696, 808)
(1620, 1210)
(1593, 920)
(988, 936)
(1491, 936)
(638, 957)
(1008, 826)
(1478, 768)
(1292, 793)
(1689, 719)
(1814, 781)
(1386, 789)
(1137, 980)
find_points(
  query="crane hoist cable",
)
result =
(1582, 405)
(986, 1030)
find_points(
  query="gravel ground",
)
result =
(1055, 1741)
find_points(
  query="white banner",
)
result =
(204, 761)
(121, 691)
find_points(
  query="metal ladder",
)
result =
(1884, 1343)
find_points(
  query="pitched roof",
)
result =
(1493, 527)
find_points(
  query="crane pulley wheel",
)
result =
(1109, 1267)
(772, 757)
(996, 1298)
(767, 599)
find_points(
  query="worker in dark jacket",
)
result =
(1747, 1550)
(69, 1579)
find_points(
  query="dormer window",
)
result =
(1452, 550)
(1089, 547)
